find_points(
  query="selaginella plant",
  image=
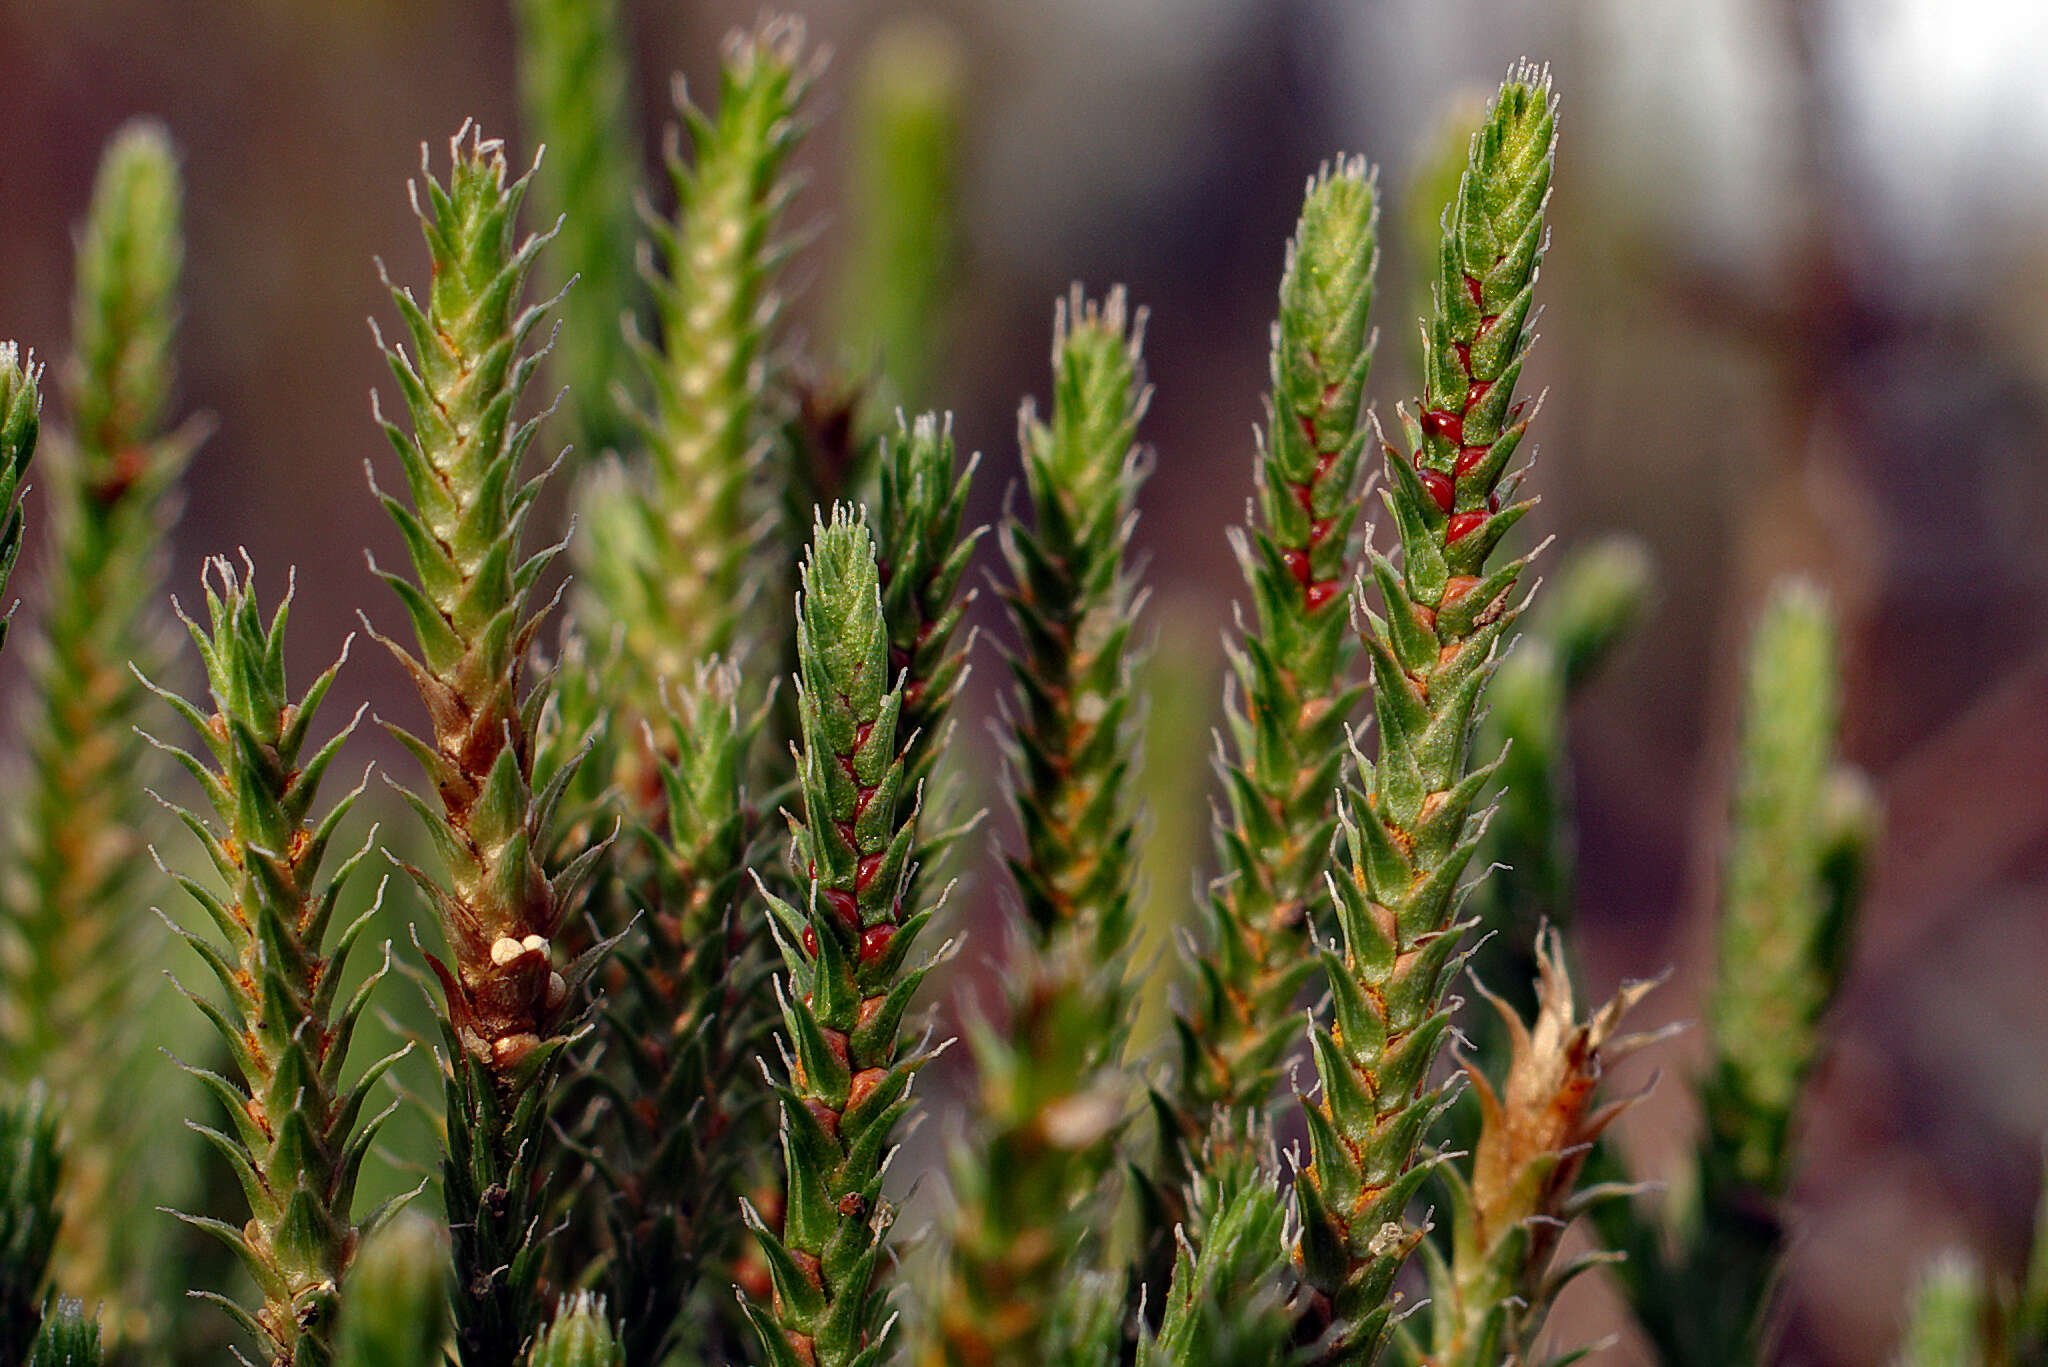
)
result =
(1800, 825)
(506, 1003)
(1290, 666)
(299, 1133)
(683, 1021)
(1052, 1098)
(847, 943)
(609, 1128)
(1411, 826)
(680, 528)
(75, 926)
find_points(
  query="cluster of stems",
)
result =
(1344, 904)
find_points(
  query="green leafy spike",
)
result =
(1801, 827)
(672, 575)
(1290, 701)
(576, 90)
(1052, 1098)
(580, 1336)
(1227, 1304)
(78, 882)
(505, 999)
(1411, 830)
(1782, 932)
(846, 949)
(682, 1022)
(68, 1338)
(923, 555)
(297, 1126)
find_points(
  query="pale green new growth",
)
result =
(575, 83)
(581, 1336)
(69, 1337)
(1948, 1316)
(677, 530)
(395, 1302)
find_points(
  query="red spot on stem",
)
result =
(1440, 488)
(1470, 457)
(1322, 592)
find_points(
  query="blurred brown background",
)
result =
(1796, 317)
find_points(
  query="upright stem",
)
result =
(505, 1000)
(1051, 1097)
(849, 977)
(80, 881)
(1411, 829)
(576, 87)
(1292, 696)
(677, 535)
(297, 1141)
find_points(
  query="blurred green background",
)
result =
(1796, 317)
